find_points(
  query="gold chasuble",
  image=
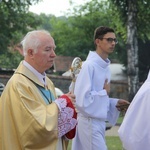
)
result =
(26, 121)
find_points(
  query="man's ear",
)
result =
(30, 52)
(96, 41)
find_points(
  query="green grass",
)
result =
(69, 146)
(120, 119)
(113, 143)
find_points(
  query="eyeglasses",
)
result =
(110, 40)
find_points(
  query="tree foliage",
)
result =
(74, 34)
(15, 22)
(120, 10)
(133, 15)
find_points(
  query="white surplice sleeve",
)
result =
(113, 113)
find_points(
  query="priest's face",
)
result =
(44, 56)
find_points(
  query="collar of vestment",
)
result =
(40, 76)
(95, 58)
(30, 74)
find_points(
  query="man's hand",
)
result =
(122, 105)
(72, 97)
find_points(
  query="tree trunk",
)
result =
(132, 50)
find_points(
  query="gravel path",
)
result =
(113, 131)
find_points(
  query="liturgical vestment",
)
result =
(93, 104)
(26, 121)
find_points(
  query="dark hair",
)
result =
(101, 31)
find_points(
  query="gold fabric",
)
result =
(26, 122)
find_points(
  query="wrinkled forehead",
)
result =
(47, 41)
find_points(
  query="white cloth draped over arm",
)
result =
(66, 122)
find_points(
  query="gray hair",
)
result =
(32, 40)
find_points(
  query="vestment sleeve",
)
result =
(113, 113)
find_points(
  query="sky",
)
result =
(55, 7)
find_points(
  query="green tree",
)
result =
(133, 15)
(45, 21)
(74, 34)
(15, 21)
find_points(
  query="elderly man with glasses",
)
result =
(92, 94)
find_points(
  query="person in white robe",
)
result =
(93, 104)
(134, 131)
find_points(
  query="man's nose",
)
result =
(53, 53)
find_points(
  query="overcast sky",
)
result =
(55, 7)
